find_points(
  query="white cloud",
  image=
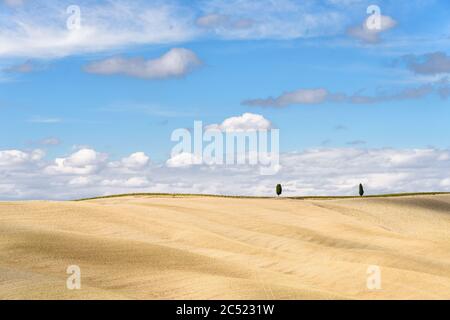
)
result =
(372, 35)
(182, 160)
(80, 181)
(137, 182)
(39, 28)
(246, 122)
(416, 156)
(136, 160)
(82, 162)
(13, 158)
(445, 183)
(175, 63)
(133, 182)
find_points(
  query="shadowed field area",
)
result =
(193, 247)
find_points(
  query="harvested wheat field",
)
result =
(193, 247)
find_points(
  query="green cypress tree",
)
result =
(279, 189)
(361, 190)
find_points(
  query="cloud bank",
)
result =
(322, 95)
(327, 171)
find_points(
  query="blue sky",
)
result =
(64, 91)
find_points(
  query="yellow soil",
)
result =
(224, 248)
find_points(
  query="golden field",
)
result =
(194, 247)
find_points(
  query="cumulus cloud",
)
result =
(175, 63)
(80, 181)
(135, 161)
(428, 64)
(371, 34)
(182, 160)
(14, 158)
(82, 162)
(133, 182)
(246, 122)
(89, 162)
